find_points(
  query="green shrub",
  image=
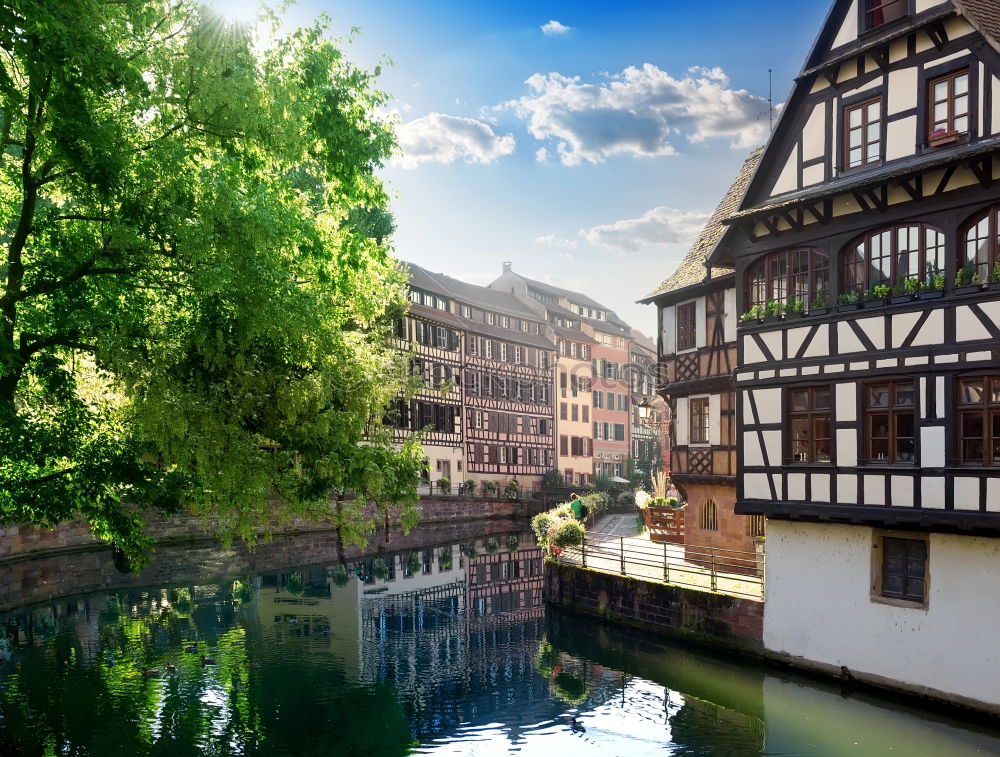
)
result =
(512, 491)
(626, 498)
(445, 558)
(340, 576)
(444, 485)
(468, 487)
(489, 488)
(492, 547)
(552, 478)
(568, 533)
(513, 543)
(540, 525)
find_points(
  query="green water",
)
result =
(426, 652)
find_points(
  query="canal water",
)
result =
(443, 650)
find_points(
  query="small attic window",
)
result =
(878, 13)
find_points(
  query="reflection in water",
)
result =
(441, 650)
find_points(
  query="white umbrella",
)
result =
(619, 480)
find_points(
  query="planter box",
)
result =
(878, 303)
(899, 299)
(968, 289)
(931, 294)
(848, 307)
(819, 311)
(665, 524)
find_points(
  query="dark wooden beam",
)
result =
(881, 57)
(915, 189)
(860, 197)
(948, 173)
(938, 34)
(791, 220)
(771, 225)
(983, 170)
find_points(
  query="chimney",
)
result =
(506, 266)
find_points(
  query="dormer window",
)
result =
(878, 13)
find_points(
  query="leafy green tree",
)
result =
(195, 292)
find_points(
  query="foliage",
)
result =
(819, 301)
(492, 547)
(413, 563)
(569, 688)
(626, 498)
(754, 314)
(848, 298)
(552, 478)
(774, 308)
(796, 305)
(197, 294)
(470, 550)
(602, 482)
(513, 542)
(468, 486)
(879, 292)
(340, 576)
(665, 502)
(913, 286)
(445, 558)
(490, 488)
(660, 483)
(380, 570)
(566, 533)
(937, 281)
(444, 485)
(961, 277)
(899, 288)
(995, 274)
(511, 490)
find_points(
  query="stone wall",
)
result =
(44, 576)
(695, 615)
(21, 542)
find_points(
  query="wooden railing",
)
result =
(665, 524)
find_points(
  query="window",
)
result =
(466, 311)
(699, 420)
(503, 351)
(619, 430)
(894, 257)
(562, 347)
(863, 133)
(809, 424)
(572, 349)
(563, 446)
(562, 411)
(709, 516)
(756, 525)
(786, 276)
(981, 253)
(902, 569)
(979, 420)
(880, 12)
(518, 354)
(490, 318)
(575, 412)
(948, 107)
(599, 399)
(623, 403)
(505, 322)
(586, 413)
(890, 422)
(585, 352)
(686, 336)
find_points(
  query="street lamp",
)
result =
(648, 416)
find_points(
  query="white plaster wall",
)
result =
(932, 492)
(752, 454)
(848, 31)
(922, 5)
(966, 493)
(812, 175)
(902, 90)
(788, 180)
(768, 406)
(901, 138)
(813, 144)
(932, 447)
(818, 607)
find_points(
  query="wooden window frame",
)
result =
(782, 287)
(989, 412)
(849, 258)
(878, 592)
(687, 326)
(894, 410)
(866, 13)
(991, 242)
(863, 106)
(811, 414)
(949, 134)
(705, 411)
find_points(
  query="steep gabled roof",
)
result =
(984, 15)
(692, 268)
(472, 294)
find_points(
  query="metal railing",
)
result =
(456, 491)
(726, 571)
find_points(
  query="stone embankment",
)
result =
(38, 565)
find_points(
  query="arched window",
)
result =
(709, 516)
(788, 275)
(892, 256)
(979, 255)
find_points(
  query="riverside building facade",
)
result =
(867, 259)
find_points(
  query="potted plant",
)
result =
(940, 137)
(819, 304)
(966, 279)
(797, 307)
(995, 276)
(756, 313)
(933, 288)
(492, 547)
(900, 292)
(379, 569)
(444, 558)
(512, 491)
(469, 550)
(513, 542)
(468, 487)
(444, 485)
(848, 301)
(340, 575)
(774, 310)
(877, 296)
(489, 488)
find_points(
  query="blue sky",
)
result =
(588, 153)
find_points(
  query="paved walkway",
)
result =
(665, 563)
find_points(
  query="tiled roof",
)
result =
(483, 297)
(984, 15)
(580, 299)
(692, 268)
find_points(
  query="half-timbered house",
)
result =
(431, 335)
(696, 309)
(867, 259)
(647, 432)
(506, 384)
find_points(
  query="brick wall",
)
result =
(695, 615)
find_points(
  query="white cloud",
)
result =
(553, 241)
(542, 155)
(554, 28)
(638, 112)
(440, 138)
(661, 225)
